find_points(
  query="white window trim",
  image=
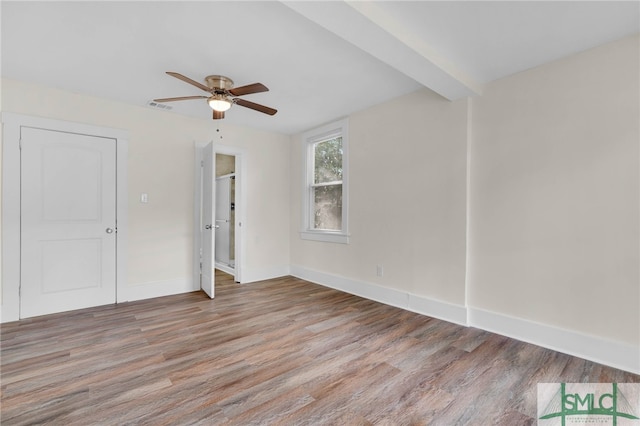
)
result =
(340, 127)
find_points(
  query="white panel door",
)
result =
(207, 273)
(68, 221)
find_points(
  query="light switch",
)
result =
(144, 198)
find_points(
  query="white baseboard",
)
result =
(593, 348)
(250, 275)
(8, 317)
(430, 307)
(130, 293)
(612, 353)
(456, 314)
(152, 289)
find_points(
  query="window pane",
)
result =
(327, 207)
(328, 161)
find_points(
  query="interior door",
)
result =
(207, 274)
(68, 221)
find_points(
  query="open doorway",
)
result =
(213, 162)
(225, 215)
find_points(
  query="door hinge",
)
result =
(201, 163)
(20, 144)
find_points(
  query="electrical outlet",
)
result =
(379, 270)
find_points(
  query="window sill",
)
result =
(327, 237)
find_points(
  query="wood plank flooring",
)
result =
(277, 352)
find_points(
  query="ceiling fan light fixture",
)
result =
(219, 103)
(221, 94)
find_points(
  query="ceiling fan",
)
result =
(222, 94)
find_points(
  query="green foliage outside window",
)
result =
(327, 191)
(328, 161)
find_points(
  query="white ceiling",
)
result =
(320, 60)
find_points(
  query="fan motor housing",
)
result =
(218, 82)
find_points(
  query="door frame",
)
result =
(240, 170)
(10, 251)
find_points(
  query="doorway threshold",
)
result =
(225, 268)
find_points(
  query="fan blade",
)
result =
(188, 80)
(218, 115)
(248, 89)
(257, 107)
(181, 98)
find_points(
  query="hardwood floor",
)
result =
(282, 352)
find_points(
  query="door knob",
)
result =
(109, 231)
(207, 227)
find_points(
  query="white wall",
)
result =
(555, 194)
(553, 216)
(407, 161)
(161, 163)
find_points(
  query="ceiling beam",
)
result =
(370, 28)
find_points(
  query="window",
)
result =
(325, 198)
